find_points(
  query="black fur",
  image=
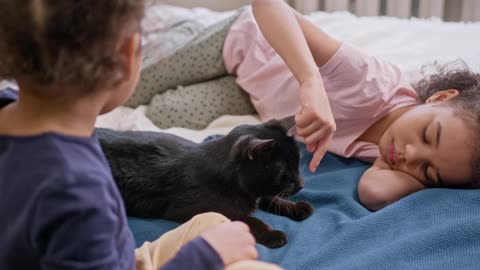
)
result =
(164, 176)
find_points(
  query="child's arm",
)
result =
(294, 38)
(303, 47)
(196, 254)
(380, 186)
(77, 225)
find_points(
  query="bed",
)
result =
(430, 229)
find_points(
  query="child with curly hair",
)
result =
(60, 207)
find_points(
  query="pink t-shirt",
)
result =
(361, 88)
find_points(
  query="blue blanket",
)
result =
(430, 229)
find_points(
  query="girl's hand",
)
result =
(232, 241)
(380, 186)
(315, 122)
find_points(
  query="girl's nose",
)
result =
(400, 154)
(414, 155)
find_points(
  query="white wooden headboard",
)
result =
(449, 10)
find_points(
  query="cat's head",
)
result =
(266, 158)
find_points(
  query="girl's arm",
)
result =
(380, 186)
(302, 46)
(294, 38)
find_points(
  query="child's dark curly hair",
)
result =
(457, 75)
(67, 43)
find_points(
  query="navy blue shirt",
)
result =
(60, 208)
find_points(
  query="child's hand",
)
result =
(315, 122)
(232, 241)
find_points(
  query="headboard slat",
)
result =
(306, 7)
(448, 10)
(367, 7)
(398, 8)
(431, 8)
(334, 5)
(470, 10)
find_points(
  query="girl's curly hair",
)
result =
(65, 43)
(457, 75)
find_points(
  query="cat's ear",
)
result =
(257, 147)
(288, 123)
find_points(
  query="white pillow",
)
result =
(158, 42)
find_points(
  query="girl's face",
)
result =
(429, 143)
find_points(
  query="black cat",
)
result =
(164, 176)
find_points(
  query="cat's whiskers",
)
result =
(271, 201)
(276, 204)
(285, 195)
(289, 208)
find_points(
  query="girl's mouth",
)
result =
(392, 154)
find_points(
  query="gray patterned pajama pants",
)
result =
(190, 88)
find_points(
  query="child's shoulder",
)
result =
(49, 156)
(45, 154)
(55, 171)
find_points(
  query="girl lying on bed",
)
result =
(356, 105)
(350, 103)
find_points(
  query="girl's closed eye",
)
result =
(424, 134)
(427, 165)
(428, 140)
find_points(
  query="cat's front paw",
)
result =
(274, 239)
(302, 211)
